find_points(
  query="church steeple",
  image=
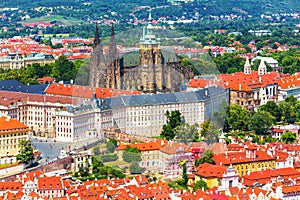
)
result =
(113, 64)
(247, 67)
(97, 38)
(262, 68)
(148, 37)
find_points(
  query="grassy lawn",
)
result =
(118, 163)
(60, 19)
(57, 35)
(8, 165)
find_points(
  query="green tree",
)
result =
(219, 117)
(207, 157)
(64, 69)
(131, 154)
(199, 185)
(272, 108)
(238, 118)
(135, 168)
(288, 112)
(187, 132)
(111, 145)
(289, 137)
(291, 99)
(184, 173)
(26, 152)
(209, 131)
(174, 119)
(261, 122)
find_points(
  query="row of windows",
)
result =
(13, 135)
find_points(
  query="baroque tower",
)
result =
(262, 68)
(247, 67)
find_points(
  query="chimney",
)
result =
(7, 119)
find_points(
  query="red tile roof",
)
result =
(240, 157)
(85, 91)
(265, 176)
(10, 186)
(210, 171)
(8, 124)
(47, 183)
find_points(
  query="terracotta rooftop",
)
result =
(8, 124)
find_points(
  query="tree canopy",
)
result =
(207, 157)
(26, 152)
(261, 122)
(174, 119)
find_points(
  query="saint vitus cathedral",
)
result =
(152, 69)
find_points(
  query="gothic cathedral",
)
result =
(152, 69)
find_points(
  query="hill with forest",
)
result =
(177, 8)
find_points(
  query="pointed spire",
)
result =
(247, 66)
(149, 16)
(262, 68)
(112, 30)
(97, 38)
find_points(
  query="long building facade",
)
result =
(142, 115)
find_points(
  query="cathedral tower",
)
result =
(97, 65)
(113, 63)
(150, 52)
(150, 57)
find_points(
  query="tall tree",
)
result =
(64, 69)
(289, 137)
(272, 108)
(238, 118)
(26, 152)
(261, 122)
(187, 132)
(220, 115)
(174, 119)
(209, 131)
(288, 112)
(207, 157)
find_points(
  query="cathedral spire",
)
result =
(97, 38)
(149, 16)
(247, 67)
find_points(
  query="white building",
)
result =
(75, 123)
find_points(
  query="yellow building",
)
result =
(250, 160)
(11, 133)
(217, 176)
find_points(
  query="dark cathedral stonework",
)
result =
(152, 69)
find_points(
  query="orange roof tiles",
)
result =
(289, 81)
(211, 171)
(173, 147)
(238, 81)
(8, 124)
(85, 91)
(10, 98)
(10, 186)
(50, 183)
(240, 157)
(265, 176)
